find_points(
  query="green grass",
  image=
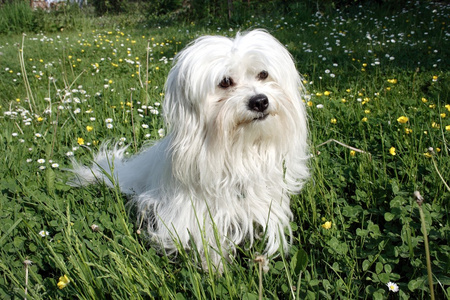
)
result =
(364, 68)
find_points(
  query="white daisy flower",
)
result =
(44, 233)
(393, 287)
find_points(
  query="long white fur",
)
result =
(218, 168)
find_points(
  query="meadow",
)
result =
(378, 82)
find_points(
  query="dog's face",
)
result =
(247, 86)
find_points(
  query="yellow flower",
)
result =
(327, 93)
(80, 141)
(318, 94)
(424, 100)
(443, 115)
(333, 121)
(435, 78)
(392, 151)
(393, 81)
(309, 103)
(447, 107)
(428, 155)
(352, 153)
(89, 128)
(447, 128)
(367, 111)
(40, 119)
(364, 119)
(402, 119)
(326, 225)
(435, 125)
(63, 282)
(408, 130)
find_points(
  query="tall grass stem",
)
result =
(419, 200)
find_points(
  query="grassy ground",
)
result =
(378, 80)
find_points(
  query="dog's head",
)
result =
(247, 85)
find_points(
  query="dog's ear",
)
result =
(179, 109)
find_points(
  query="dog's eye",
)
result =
(226, 82)
(263, 75)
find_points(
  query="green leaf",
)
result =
(299, 261)
(389, 216)
(384, 277)
(388, 268)
(378, 296)
(379, 268)
(365, 265)
(50, 177)
(416, 284)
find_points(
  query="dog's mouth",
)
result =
(261, 117)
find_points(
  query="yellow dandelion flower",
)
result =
(428, 155)
(63, 282)
(443, 115)
(447, 128)
(403, 119)
(80, 141)
(309, 103)
(447, 107)
(327, 93)
(89, 128)
(392, 151)
(40, 119)
(326, 225)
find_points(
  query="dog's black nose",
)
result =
(258, 103)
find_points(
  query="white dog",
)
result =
(236, 148)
